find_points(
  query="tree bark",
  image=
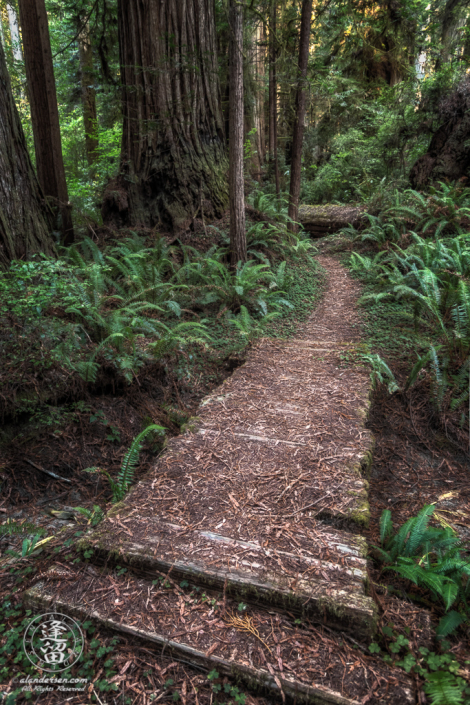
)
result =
(273, 157)
(88, 92)
(173, 146)
(451, 18)
(24, 216)
(14, 32)
(254, 117)
(300, 105)
(44, 111)
(448, 155)
(236, 181)
(260, 94)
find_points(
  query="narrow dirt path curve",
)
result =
(260, 501)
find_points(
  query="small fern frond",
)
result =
(442, 689)
(129, 463)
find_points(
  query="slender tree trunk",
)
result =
(173, 146)
(236, 181)
(255, 118)
(2, 34)
(273, 157)
(260, 95)
(88, 92)
(25, 219)
(300, 106)
(14, 32)
(44, 111)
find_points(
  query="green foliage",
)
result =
(94, 516)
(354, 167)
(431, 276)
(433, 558)
(11, 527)
(440, 671)
(28, 547)
(249, 327)
(120, 486)
(443, 688)
(219, 688)
(381, 372)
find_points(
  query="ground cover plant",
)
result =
(100, 318)
(421, 277)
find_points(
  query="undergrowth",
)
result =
(436, 560)
(418, 283)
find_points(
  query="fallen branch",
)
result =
(47, 472)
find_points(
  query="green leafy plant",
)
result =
(120, 486)
(249, 327)
(94, 515)
(381, 372)
(11, 527)
(443, 684)
(232, 691)
(28, 547)
(434, 558)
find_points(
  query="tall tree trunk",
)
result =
(260, 95)
(173, 146)
(273, 157)
(236, 182)
(14, 32)
(254, 117)
(450, 21)
(24, 216)
(2, 34)
(300, 106)
(88, 91)
(448, 155)
(44, 111)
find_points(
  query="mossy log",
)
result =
(325, 219)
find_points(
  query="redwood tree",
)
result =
(273, 157)
(236, 180)
(85, 52)
(300, 107)
(44, 111)
(24, 216)
(173, 158)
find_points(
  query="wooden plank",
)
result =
(331, 591)
(135, 607)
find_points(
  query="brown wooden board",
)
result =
(262, 648)
(331, 591)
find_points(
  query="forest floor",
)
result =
(317, 654)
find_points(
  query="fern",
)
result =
(386, 525)
(130, 461)
(449, 623)
(381, 372)
(10, 527)
(429, 557)
(443, 689)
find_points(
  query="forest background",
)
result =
(125, 329)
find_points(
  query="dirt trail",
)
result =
(262, 499)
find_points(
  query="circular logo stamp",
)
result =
(53, 642)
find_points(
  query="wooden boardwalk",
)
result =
(260, 501)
